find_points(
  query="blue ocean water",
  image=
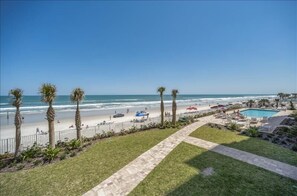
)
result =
(33, 104)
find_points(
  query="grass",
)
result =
(180, 174)
(77, 175)
(245, 143)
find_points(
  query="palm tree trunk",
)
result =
(78, 122)
(162, 112)
(17, 122)
(51, 128)
(173, 112)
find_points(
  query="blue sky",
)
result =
(134, 47)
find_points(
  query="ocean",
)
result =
(33, 105)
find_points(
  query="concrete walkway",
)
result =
(127, 178)
(265, 163)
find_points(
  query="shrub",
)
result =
(103, 135)
(252, 132)
(2, 165)
(187, 119)
(85, 139)
(294, 147)
(144, 127)
(32, 152)
(6, 155)
(110, 133)
(50, 153)
(233, 126)
(292, 107)
(63, 156)
(152, 125)
(97, 136)
(61, 144)
(13, 163)
(133, 129)
(293, 131)
(123, 132)
(294, 115)
(74, 144)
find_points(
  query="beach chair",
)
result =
(254, 121)
(265, 128)
(264, 120)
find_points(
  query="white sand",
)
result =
(30, 128)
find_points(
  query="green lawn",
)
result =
(79, 174)
(180, 174)
(249, 144)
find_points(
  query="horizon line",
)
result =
(164, 94)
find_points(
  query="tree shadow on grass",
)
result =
(232, 177)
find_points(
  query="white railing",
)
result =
(8, 145)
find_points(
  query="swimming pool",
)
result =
(258, 113)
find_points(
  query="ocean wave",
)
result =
(122, 104)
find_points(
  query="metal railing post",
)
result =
(7, 145)
(59, 135)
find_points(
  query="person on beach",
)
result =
(37, 130)
(109, 117)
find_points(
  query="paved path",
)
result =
(127, 178)
(265, 163)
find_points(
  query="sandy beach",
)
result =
(8, 131)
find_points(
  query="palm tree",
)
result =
(263, 102)
(16, 98)
(48, 95)
(77, 96)
(174, 94)
(281, 95)
(251, 102)
(276, 101)
(286, 95)
(161, 91)
(294, 95)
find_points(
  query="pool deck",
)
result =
(274, 121)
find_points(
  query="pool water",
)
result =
(258, 113)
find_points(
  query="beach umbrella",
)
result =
(191, 108)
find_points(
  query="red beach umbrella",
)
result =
(191, 108)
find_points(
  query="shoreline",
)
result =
(8, 131)
(91, 118)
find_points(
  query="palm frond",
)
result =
(77, 95)
(161, 90)
(16, 96)
(174, 93)
(48, 92)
